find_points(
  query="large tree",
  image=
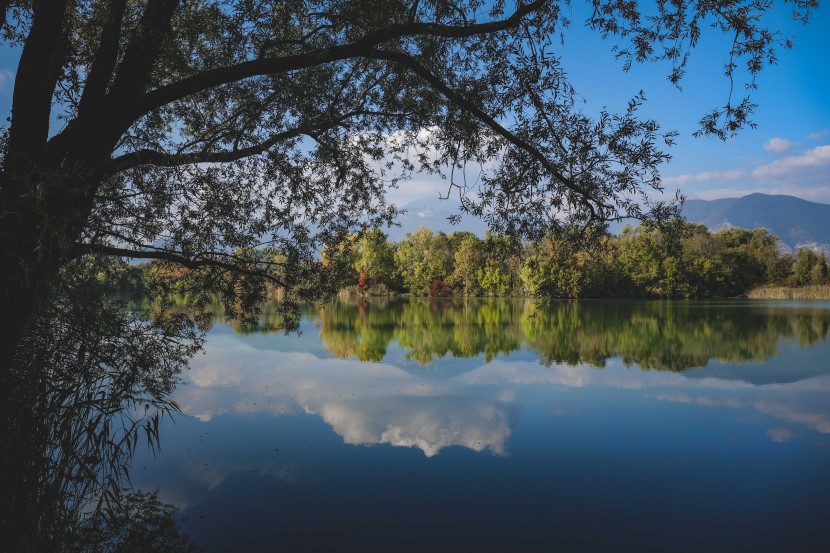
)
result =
(237, 138)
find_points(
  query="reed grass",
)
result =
(811, 292)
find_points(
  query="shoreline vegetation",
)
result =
(676, 260)
(813, 292)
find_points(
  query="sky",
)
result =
(788, 152)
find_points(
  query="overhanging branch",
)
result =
(166, 159)
(360, 48)
(198, 261)
(416, 67)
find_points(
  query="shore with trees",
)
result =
(675, 260)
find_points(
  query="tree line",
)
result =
(675, 260)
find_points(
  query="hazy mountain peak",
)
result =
(798, 223)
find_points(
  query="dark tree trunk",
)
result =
(24, 280)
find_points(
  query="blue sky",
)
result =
(789, 152)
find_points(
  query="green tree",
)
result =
(422, 258)
(641, 258)
(809, 268)
(468, 259)
(500, 272)
(575, 264)
(375, 255)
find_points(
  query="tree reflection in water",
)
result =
(656, 335)
(89, 387)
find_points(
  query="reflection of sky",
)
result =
(282, 432)
(365, 403)
(377, 403)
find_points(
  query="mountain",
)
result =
(796, 222)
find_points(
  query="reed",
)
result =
(811, 292)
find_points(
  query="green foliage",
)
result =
(423, 258)
(659, 335)
(573, 265)
(809, 268)
(375, 255)
(468, 259)
(674, 260)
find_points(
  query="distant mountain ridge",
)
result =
(797, 223)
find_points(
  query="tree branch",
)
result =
(360, 48)
(436, 83)
(198, 261)
(102, 68)
(165, 159)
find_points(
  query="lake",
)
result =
(410, 425)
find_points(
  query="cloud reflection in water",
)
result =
(378, 403)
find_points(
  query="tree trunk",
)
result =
(35, 239)
(23, 285)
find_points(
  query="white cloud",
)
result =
(816, 136)
(778, 145)
(789, 166)
(419, 188)
(805, 175)
(707, 177)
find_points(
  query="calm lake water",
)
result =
(500, 426)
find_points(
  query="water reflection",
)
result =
(473, 404)
(363, 403)
(400, 414)
(656, 335)
(90, 385)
